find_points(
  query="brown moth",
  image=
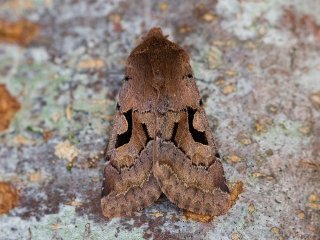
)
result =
(161, 141)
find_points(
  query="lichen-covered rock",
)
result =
(257, 65)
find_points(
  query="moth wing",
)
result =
(129, 184)
(187, 168)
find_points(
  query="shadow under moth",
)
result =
(161, 141)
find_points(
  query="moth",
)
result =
(161, 141)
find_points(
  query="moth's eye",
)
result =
(127, 78)
(189, 76)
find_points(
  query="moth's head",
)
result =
(158, 63)
(158, 76)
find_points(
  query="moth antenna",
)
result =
(199, 79)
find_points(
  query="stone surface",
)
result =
(258, 68)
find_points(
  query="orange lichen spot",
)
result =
(9, 197)
(300, 25)
(197, 217)
(157, 214)
(235, 236)
(232, 158)
(74, 203)
(66, 150)
(301, 215)
(8, 107)
(261, 125)
(91, 64)
(209, 17)
(314, 201)
(21, 32)
(230, 88)
(236, 189)
(251, 208)
(47, 135)
(163, 6)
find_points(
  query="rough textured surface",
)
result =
(258, 68)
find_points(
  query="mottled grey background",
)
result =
(258, 65)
